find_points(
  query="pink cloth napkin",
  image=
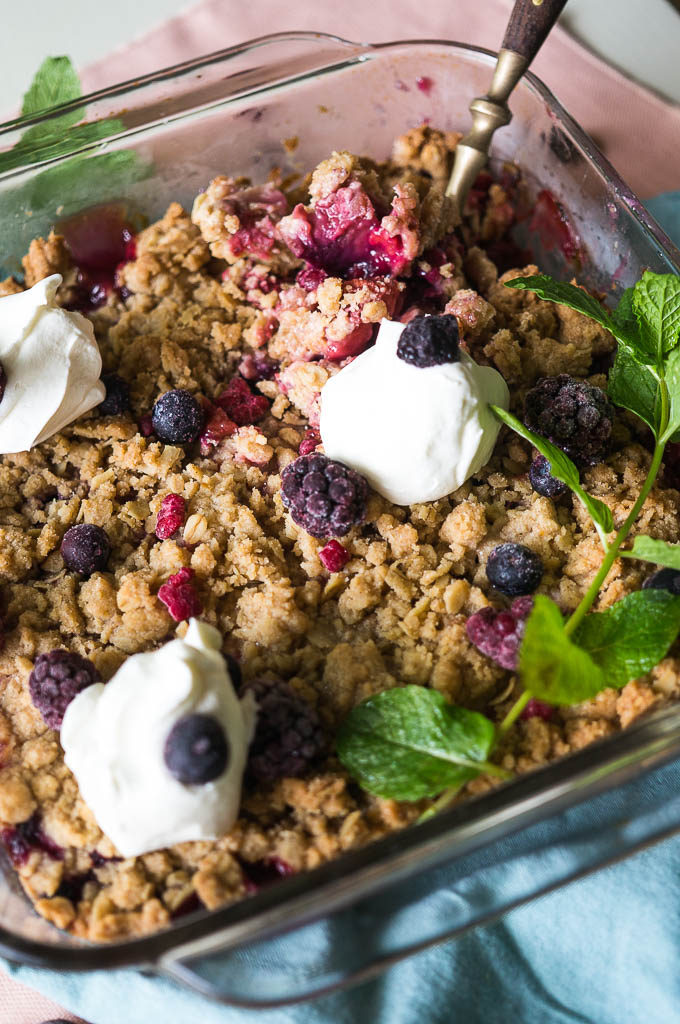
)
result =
(639, 132)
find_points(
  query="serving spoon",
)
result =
(529, 24)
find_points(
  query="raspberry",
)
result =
(180, 597)
(241, 405)
(309, 442)
(177, 417)
(542, 480)
(573, 414)
(537, 709)
(309, 278)
(429, 341)
(85, 548)
(288, 735)
(325, 497)
(342, 235)
(56, 679)
(3, 381)
(664, 579)
(217, 427)
(333, 557)
(196, 750)
(170, 516)
(146, 425)
(117, 398)
(498, 634)
(514, 569)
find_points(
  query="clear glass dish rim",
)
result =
(543, 793)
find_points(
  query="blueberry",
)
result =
(429, 341)
(85, 549)
(196, 750)
(3, 381)
(542, 480)
(514, 569)
(117, 398)
(664, 579)
(177, 417)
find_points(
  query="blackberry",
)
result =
(573, 414)
(514, 569)
(117, 398)
(3, 381)
(324, 497)
(177, 417)
(429, 341)
(664, 579)
(498, 634)
(542, 480)
(85, 548)
(288, 735)
(196, 750)
(56, 679)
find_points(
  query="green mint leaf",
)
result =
(56, 81)
(659, 552)
(634, 387)
(409, 743)
(656, 304)
(561, 467)
(630, 638)
(672, 378)
(553, 668)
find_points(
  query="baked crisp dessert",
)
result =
(164, 503)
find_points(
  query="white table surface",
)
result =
(641, 36)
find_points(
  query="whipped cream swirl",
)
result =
(114, 736)
(415, 433)
(52, 364)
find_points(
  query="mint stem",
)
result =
(513, 714)
(447, 797)
(589, 597)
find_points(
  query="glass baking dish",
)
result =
(286, 101)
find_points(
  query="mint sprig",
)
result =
(408, 743)
(82, 180)
(55, 82)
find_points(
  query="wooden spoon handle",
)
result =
(529, 24)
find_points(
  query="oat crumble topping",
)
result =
(224, 291)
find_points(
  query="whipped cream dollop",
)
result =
(114, 737)
(52, 364)
(416, 433)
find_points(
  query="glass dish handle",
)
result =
(358, 941)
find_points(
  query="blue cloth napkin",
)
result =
(603, 950)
